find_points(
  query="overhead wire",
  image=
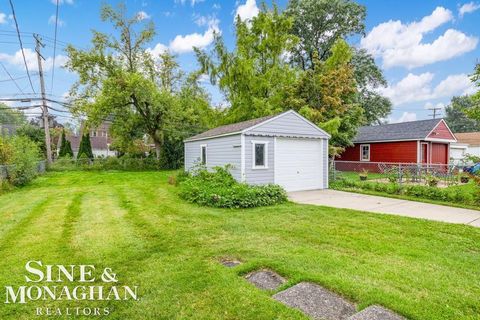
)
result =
(10, 76)
(21, 44)
(54, 48)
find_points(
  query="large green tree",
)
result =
(456, 115)
(118, 78)
(254, 76)
(369, 78)
(318, 24)
(327, 95)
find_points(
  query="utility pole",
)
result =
(434, 115)
(46, 125)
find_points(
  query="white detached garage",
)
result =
(285, 149)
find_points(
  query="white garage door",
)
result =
(299, 164)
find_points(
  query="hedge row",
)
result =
(454, 195)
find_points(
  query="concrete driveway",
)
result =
(413, 209)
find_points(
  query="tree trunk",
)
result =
(158, 149)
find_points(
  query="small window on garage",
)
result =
(260, 152)
(203, 154)
(365, 152)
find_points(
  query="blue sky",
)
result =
(426, 48)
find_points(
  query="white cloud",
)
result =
(455, 84)
(185, 43)
(414, 88)
(401, 44)
(411, 88)
(16, 59)
(468, 8)
(405, 117)
(451, 44)
(3, 18)
(142, 15)
(52, 18)
(157, 50)
(248, 10)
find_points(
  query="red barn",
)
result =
(423, 142)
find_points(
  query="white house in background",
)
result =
(468, 143)
(285, 149)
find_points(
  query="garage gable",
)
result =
(287, 124)
(442, 132)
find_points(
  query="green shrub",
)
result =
(85, 147)
(418, 191)
(24, 161)
(431, 180)
(6, 151)
(220, 189)
(4, 185)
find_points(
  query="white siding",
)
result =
(220, 152)
(258, 176)
(289, 124)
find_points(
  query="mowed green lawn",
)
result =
(136, 224)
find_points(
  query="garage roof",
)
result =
(300, 127)
(230, 128)
(413, 130)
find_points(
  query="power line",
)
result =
(21, 44)
(13, 79)
(54, 48)
(10, 76)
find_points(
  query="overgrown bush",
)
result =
(20, 155)
(218, 188)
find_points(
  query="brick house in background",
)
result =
(419, 142)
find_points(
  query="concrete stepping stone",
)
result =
(230, 263)
(376, 313)
(265, 279)
(316, 301)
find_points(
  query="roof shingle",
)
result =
(230, 128)
(472, 138)
(413, 130)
